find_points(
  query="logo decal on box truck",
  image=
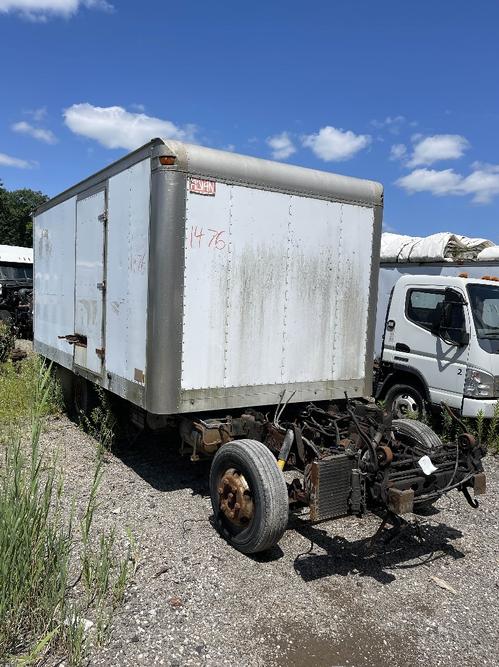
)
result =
(202, 186)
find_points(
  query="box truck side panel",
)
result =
(205, 288)
(276, 289)
(256, 297)
(54, 239)
(311, 300)
(127, 273)
(89, 280)
(353, 284)
(234, 295)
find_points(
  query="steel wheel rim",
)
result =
(235, 499)
(405, 404)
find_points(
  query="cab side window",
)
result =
(424, 307)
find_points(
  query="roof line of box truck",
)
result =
(235, 167)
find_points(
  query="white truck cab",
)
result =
(441, 344)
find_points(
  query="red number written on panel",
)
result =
(197, 234)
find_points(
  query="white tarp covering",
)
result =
(441, 247)
(489, 254)
(16, 254)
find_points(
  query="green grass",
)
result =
(55, 572)
(7, 341)
(18, 383)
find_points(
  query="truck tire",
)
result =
(417, 434)
(402, 400)
(423, 439)
(248, 495)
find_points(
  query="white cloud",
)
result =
(437, 147)
(9, 161)
(482, 183)
(335, 145)
(282, 146)
(39, 133)
(114, 127)
(398, 151)
(389, 120)
(430, 180)
(37, 114)
(391, 123)
(40, 10)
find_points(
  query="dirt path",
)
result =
(321, 598)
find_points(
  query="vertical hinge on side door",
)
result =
(100, 352)
(103, 217)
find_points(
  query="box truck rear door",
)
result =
(89, 289)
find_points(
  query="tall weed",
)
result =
(7, 340)
(19, 384)
(35, 542)
(486, 431)
(55, 572)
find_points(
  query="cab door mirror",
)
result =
(452, 324)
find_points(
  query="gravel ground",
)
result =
(322, 598)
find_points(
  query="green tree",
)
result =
(16, 208)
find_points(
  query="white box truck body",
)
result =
(211, 282)
(237, 296)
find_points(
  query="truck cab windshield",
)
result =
(14, 271)
(484, 300)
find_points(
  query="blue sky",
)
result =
(406, 93)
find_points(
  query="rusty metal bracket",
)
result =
(400, 502)
(75, 339)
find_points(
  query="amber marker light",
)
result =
(167, 160)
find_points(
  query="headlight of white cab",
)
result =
(478, 384)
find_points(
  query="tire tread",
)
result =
(275, 507)
(418, 431)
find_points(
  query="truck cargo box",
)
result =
(185, 279)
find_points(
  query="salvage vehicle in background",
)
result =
(16, 288)
(235, 297)
(437, 336)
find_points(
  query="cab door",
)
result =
(412, 341)
(90, 281)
